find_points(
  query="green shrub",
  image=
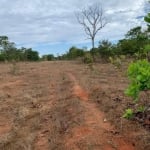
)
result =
(144, 53)
(88, 59)
(128, 114)
(2, 57)
(139, 76)
(147, 51)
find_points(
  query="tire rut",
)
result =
(95, 132)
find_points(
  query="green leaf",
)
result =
(128, 114)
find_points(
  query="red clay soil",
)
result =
(41, 142)
(94, 125)
(65, 106)
(77, 90)
(4, 125)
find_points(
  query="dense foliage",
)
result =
(147, 18)
(139, 75)
(72, 54)
(48, 57)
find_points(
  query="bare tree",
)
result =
(92, 19)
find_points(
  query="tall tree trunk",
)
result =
(93, 43)
(93, 51)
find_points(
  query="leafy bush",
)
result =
(74, 53)
(143, 53)
(2, 57)
(139, 75)
(88, 59)
(147, 51)
(105, 49)
(48, 57)
(31, 55)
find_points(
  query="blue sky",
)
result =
(51, 26)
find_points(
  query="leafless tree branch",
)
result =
(92, 19)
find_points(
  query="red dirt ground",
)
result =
(94, 124)
(66, 106)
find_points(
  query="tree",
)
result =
(3, 42)
(31, 55)
(9, 52)
(48, 57)
(7, 49)
(147, 18)
(134, 33)
(137, 34)
(2, 57)
(75, 52)
(93, 20)
(128, 46)
(147, 47)
(135, 41)
(105, 48)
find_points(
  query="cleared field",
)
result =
(67, 106)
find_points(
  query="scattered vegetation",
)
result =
(139, 76)
(128, 113)
(134, 45)
(115, 61)
(53, 108)
(141, 109)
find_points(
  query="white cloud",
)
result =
(46, 21)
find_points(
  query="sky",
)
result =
(51, 27)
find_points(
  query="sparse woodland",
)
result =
(84, 99)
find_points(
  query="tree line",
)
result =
(135, 44)
(9, 52)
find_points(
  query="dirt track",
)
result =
(49, 105)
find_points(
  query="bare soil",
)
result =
(66, 105)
